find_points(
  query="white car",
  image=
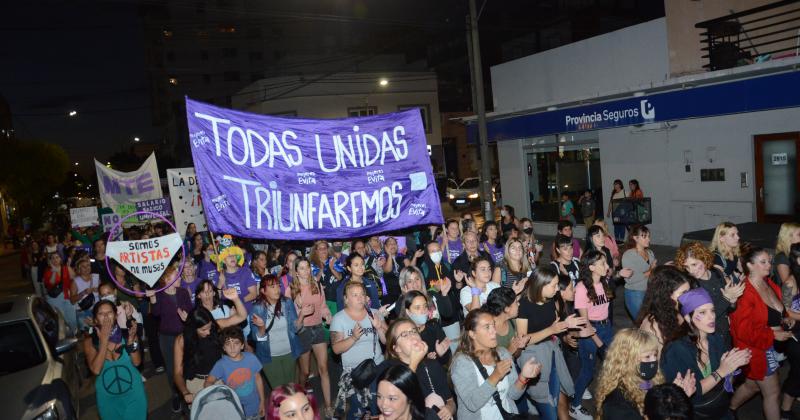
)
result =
(465, 194)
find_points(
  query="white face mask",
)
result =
(436, 257)
(503, 213)
(110, 298)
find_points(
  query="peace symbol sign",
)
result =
(117, 380)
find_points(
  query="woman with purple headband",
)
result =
(700, 350)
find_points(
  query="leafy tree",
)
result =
(31, 170)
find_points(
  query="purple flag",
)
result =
(302, 179)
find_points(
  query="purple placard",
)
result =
(302, 179)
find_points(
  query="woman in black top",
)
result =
(391, 271)
(565, 264)
(198, 348)
(415, 306)
(537, 323)
(405, 347)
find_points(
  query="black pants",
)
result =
(791, 348)
(151, 331)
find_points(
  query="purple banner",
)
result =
(302, 179)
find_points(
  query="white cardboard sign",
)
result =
(148, 258)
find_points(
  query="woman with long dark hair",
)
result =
(538, 323)
(416, 307)
(703, 352)
(399, 396)
(486, 383)
(259, 264)
(593, 296)
(274, 323)
(641, 261)
(113, 358)
(514, 266)
(507, 220)
(659, 314)
(405, 347)
(198, 347)
(491, 244)
(617, 193)
(356, 268)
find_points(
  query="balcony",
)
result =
(769, 32)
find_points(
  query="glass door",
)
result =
(777, 177)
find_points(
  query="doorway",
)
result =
(777, 177)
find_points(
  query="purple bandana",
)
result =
(693, 299)
(646, 385)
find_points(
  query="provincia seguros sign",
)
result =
(644, 113)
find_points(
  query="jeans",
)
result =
(619, 232)
(167, 345)
(633, 302)
(550, 411)
(587, 352)
(67, 310)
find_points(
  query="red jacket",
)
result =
(749, 328)
(62, 277)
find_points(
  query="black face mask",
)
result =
(528, 231)
(648, 370)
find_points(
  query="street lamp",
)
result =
(76, 163)
(73, 113)
(383, 82)
(136, 139)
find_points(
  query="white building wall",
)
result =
(681, 203)
(513, 177)
(631, 57)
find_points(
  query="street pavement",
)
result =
(156, 386)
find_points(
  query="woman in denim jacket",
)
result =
(273, 327)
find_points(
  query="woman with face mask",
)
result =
(411, 279)
(437, 274)
(704, 353)
(405, 347)
(415, 306)
(629, 371)
(507, 220)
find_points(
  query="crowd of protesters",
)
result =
(443, 322)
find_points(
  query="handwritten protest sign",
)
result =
(128, 187)
(159, 206)
(146, 259)
(83, 217)
(185, 197)
(300, 179)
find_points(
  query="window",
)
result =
(206, 78)
(204, 55)
(229, 52)
(424, 112)
(231, 76)
(20, 340)
(256, 56)
(363, 111)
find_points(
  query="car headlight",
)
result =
(473, 195)
(451, 196)
(48, 411)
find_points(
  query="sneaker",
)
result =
(579, 413)
(160, 369)
(587, 395)
(176, 404)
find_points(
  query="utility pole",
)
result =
(478, 105)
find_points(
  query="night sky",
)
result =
(87, 56)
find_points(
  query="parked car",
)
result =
(39, 376)
(465, 194)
